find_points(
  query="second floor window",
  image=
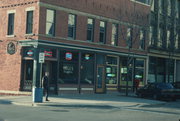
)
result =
(168, 39)
(160, 38)
(168, 7)
(11, 24)
(29, 22)
(142, 39)
(90, 29)
(102, 33)
(50, 22)
(129, 37)
(72, 26)
(176, 41)
(114, 38)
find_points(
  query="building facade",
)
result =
(86, 46)
(164, 44)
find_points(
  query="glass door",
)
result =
(100, 82)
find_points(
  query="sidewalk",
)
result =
(112, 99)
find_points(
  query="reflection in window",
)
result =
(87, 69)
(139, 69)
(72, 26)
(68, 68)
(102, 34)
(111, 70)
(114, 38)
(90, 29)
(50, 22)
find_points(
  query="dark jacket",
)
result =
(45, 82)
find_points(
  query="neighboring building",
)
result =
(164, 44)
(87, 44)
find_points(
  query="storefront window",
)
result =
(68, 67)
(139, 69)
(111, 70)
(87, 68)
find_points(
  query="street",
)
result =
(169, 111)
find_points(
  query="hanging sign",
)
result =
(68, 56)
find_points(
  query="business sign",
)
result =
(30, 53)
(68, 56)
(48, 53)
(41, 57)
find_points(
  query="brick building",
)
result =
(164, 44)
(89, 46)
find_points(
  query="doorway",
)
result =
(51, 68)
(100, 83)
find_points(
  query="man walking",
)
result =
(46, 85)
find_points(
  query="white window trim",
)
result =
(30, 8)
(140, 3)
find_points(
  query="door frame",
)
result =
(102, 89)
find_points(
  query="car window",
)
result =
(164, 86)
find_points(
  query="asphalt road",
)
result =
(169, 111)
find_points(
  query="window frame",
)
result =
(114, 36)
(102, 30)
(11, 20)
(51, 22)
(72, 27)
(29, 22)
(90, 27)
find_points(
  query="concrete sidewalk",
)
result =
(112, 99)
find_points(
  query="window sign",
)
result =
(30, 53)
(68, 56)
(48, 53)
(87, 56)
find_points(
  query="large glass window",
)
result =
(111, 70)
(68, 67)
(29, 22)
(11, 24)
(114, 38)
(87, 69)
(72, 26)
(90, 29)
(139, 69)
(50, 22)
(102, 33)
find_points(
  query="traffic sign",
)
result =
(41, 57)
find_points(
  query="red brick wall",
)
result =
(10, 65)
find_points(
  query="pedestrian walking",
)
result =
(45, 81)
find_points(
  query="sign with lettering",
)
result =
(41, 57)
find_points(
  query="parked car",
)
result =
(176, 85)
(159, 91)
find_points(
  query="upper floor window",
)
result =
(161, 3)
(151, 36)
(152, 5)
(168, 7)
(11, 23)
(29, 22)
(176, 41)
(144, 1)
(72, 26)
(102, 33)
(142, 39)
(114, 38)
(129, 37)
(168, 39)
(177, 5)
(50, 22)
(160, 37)
(90, 29)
